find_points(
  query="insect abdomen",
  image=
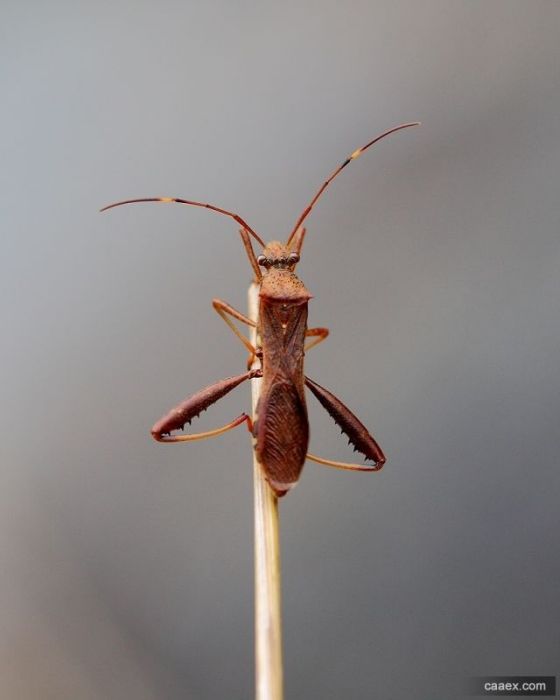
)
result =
(191, 407)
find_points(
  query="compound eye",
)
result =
(262, 260)
(293, 258)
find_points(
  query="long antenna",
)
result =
(236, 217)
(350, 158)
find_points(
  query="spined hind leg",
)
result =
(178, 417)
(352, 427)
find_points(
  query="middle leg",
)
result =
(320, 335)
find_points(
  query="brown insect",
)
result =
(281, 428)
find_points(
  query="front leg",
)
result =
(190, 408)
(355, 430)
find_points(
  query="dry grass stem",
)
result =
(268, 611)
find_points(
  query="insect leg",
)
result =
(351, 426)
(321, 333)
(296, 242)
(225, 311)
(251, 254)
(190, 408)
(202, 436)
(341, 465)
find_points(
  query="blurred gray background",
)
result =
(126, 566)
